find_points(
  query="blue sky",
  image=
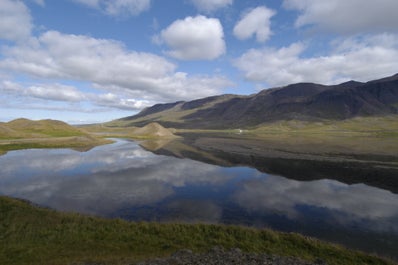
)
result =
(84, 61)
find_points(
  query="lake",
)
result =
(123, 180)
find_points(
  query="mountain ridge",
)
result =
(301, 101)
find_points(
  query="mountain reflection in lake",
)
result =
(123, 180)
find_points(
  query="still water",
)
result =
(123, 180)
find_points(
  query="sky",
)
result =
(88, 61)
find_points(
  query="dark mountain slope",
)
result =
(372, 98)
(303, 101)
(156, 108)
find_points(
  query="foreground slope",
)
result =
(32, 235)
(303, 101)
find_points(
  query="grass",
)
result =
(33, 235)
(365, 126)
(134, 133)
(26, 134)
(24, 128)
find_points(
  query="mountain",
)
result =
(302, 101)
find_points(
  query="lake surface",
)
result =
(123, 180)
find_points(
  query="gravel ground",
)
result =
(219, 256)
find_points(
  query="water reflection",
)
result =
(345, 204)
(123, 180)
(100, 181)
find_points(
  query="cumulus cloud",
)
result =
(343, 16)
(194, 38)
(350, 59)
(57, 92)
(209, 6)
(57, 55)
(70, 94)
(111, 100)
(256, 22)
(108, 66)
(118, 7)
(16, 22)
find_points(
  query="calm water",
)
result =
(123, 180)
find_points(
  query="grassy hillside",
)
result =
(24, 128)
(32, 235)
(24, 133)
(150, 131)
(170, 113)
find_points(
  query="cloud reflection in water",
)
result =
(122, 177)
(343, 203)
(100, 181)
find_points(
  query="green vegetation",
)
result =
(33, 235)
(24, 134)
(362, 136)
(360, 126)
(151, 131)
(24, 128)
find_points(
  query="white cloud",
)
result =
(195, 38)
(342, 16)
(137, 78)
(360, 59)
(115, 101)
(57, 55)
(182, 86)
(15, 20)
(209, 6)
(69, 94)
(118, 7)
(256, 22)
(57, 92)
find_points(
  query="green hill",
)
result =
(24, 133)
(7, 132)
(42, 128)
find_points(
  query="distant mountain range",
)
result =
(302, 101)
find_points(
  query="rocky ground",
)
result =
(219, 256)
